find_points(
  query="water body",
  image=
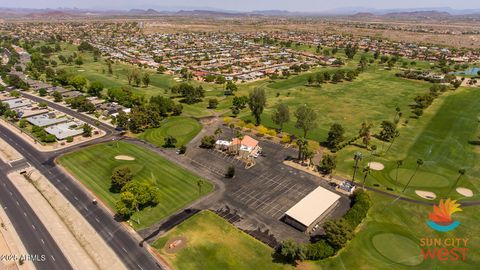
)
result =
(471, 71)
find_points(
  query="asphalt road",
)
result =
(35, 237)
(127, 248)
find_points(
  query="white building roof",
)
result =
(17, 103)
(65, 130)
(308, 209)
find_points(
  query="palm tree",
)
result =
(399, 164)
(419, 163)
(397, 134)
(357, 157)
(366, 171)
(239, 136)
(301, 143)
(461, 173)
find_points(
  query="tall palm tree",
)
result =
(396, 135)
(357, 157)
(239, 136)
(301, 143)
(461, 173)
(419, 163)
(399, 164)
(366, 171)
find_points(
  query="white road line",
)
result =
(97, 220)
(124, 249)
(52, 258)
(25, 214)
(34, 227)
(43, 242)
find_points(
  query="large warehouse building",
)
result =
(311, 209)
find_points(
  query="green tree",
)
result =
(212, 103)
(365, 133)
(42, 92)
(87, 130)
(120, 177)
(169, 142)
(388, 131)
(292, 251)
(230, 172)
(399, 164)
(57, 97)
(257, 102)
(95, 89)
(337, 233)
(146, 79)
(78, 82)
(328, 163)
(335, 135)
(306, 119)
(281, 115)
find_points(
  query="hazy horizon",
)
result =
(245, 5)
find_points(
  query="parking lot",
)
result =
(257, 198)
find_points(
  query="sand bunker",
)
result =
(123, 157)
(376, 166)
(465, 191)
(426, 194)
(175, 244)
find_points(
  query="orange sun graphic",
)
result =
(442, 214)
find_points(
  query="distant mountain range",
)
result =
(357, 12)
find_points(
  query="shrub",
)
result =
(70, 139)
(262, 130)
(319, 250)
(272, 132)
(208, 142)
(230, 172)
(250, 126)
(182, 150)
(286, 138)
(227, 120)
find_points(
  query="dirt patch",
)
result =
(426, 194)
(376, 166)
(175, 244)
(124, 157)
(465, 191)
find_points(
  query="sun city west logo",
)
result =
(441, 217)
(444, 249)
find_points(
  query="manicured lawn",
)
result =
(441, 138)
(372, 97)
(183, 129)
(213, 243)
(390, 236)
(93, 167)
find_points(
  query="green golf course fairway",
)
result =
(440, 138)
(181, 128)
(214, 244)
(398, 248)
(388, 238)
(93, 166)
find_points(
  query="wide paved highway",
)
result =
(128, 249)
(35, 237)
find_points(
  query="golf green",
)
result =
(398, 248)
(183, 129)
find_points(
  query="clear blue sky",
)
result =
(242, 5)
